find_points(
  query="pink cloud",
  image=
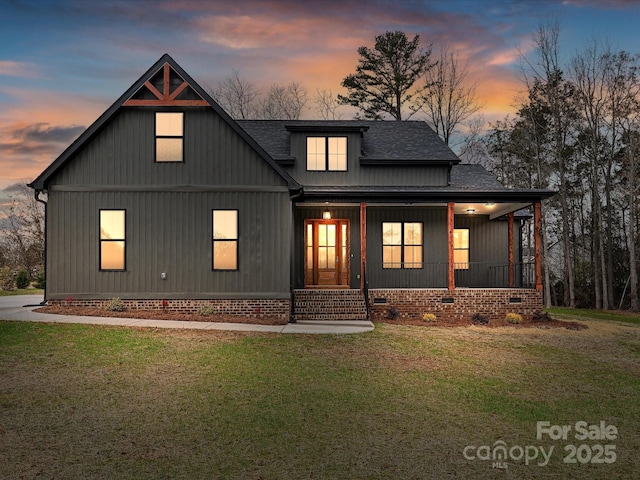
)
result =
(11, 68)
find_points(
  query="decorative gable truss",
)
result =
(166, 88)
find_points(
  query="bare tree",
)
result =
(327, 105)
(22, 226)
(623, 84)
(283, 102)
(589, 76)
(473, 149)
(237, 96)
(449, 98)
(555, 95)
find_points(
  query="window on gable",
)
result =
(169, 136)
(225, 240)
(112, 240)
(327, 153)
(402, 245)
(461, 248)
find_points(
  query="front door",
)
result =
(326, 253)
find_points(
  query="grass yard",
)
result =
(84, 402)
(21, 291)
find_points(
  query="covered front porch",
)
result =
(452, 253)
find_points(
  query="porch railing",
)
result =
(467, 275)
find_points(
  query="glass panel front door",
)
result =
(326, 253)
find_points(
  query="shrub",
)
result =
(393, 313)
(540, 316)
(6, 278)
(479, 319)
(40, 280)
(114, 305)
(514, 318)
(206, 310)
(429, 317)
(22, 280)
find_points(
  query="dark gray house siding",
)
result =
(122, 153)
(433, 274)
(168, 232)
(357, 174)
(168, 214)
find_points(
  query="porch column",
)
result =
(363, 243)
(450, 226)
(537, 234)
(510, 220)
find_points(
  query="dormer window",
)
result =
(327, 153)
(169, 136)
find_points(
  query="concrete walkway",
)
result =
(13, 308)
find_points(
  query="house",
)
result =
(167, 202)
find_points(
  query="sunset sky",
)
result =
(63, 63)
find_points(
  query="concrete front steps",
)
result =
(329, 305)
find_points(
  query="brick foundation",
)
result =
(456, 304)
(279, 308)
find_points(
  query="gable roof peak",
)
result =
(173, 86)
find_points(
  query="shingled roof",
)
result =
(382, 142)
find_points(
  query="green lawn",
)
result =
(21, 291)
(583, 313)
(83, 402)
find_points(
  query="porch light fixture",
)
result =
(471, 210)
(490, 204)
(326, 214)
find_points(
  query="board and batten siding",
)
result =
(488, 245)
(168, 213)
(361, 175)
(123, 153)
(434, 220)
(168, 232)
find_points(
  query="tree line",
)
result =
(577, 131)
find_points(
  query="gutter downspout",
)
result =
(39, 200)
(292, 198)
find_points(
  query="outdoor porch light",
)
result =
(326, 214)
(471, 210)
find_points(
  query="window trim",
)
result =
(327, 153)
(236, 240)
(402, 246)
(101, 240)
(156, 137)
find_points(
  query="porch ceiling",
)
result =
(493, 209)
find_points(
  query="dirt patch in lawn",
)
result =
(159, 315)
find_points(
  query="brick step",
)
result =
(329, 305)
